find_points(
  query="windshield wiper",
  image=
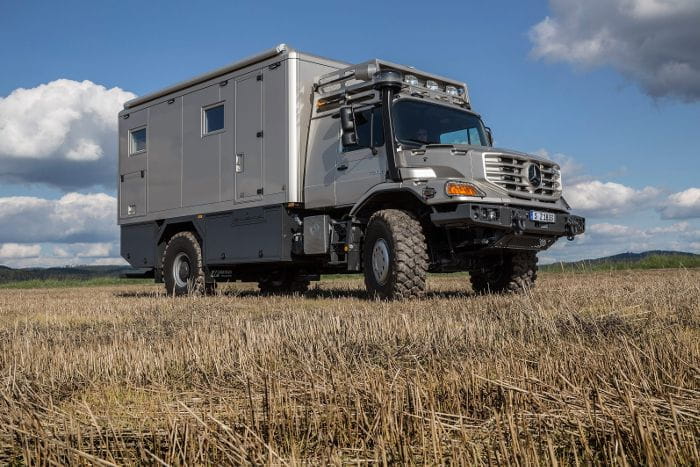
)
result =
(415, 141)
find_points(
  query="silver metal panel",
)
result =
(248, 142)
(207, 76)
(164, 154)
(316, 234)
(200, 162)
(132, 195)
(275, 129)
(308, 68)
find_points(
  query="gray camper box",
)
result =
(280, 167)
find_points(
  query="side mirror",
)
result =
(347, 125)
(489, 135)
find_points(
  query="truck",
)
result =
(285, 166)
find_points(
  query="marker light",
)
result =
(410, 79)
(432, 85)
(452, 91)
(462, 189)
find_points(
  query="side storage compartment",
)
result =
(132, 194)
(250, 235)
(138, 244)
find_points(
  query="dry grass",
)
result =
(596, 368)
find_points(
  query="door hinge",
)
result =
(259, 134)
(260, 191)
(259, 77)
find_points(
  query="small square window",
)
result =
(137, 141)
(213, 119)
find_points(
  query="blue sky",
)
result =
(606, 87)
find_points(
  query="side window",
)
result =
(369, 127)
(213, 119)
(137, 141)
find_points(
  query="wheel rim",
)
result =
(181, 270)
(380, 261)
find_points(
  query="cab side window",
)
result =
(368, 124)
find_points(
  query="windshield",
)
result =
(417, 123)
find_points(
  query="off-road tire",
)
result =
(517, 273)
(407, 265)
(184, 243)
(284, 283)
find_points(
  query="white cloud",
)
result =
(18, 250)
(608, 199)
(654, 43)
(72, 218)
(63, 133)
(605, 239)
(682, 205)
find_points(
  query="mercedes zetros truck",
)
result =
(285, 166)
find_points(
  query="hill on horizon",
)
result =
(653, 259)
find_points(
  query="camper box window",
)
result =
(213, 120)
(137, 141)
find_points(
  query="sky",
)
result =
(610, 89)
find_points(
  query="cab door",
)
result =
(362, 166)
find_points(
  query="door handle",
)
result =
(342, 167)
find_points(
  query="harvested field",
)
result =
(587, 368)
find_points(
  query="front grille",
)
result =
(510, 172)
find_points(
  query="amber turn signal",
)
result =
(461, 189)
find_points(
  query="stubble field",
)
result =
(586, 368)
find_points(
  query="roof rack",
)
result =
(356, 78)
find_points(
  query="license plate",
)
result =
(539, 216)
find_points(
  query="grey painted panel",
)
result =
(363, 171)
(275, 130)
(227, 174)
(164, 155)
(248, 143)
(132, 194)
(138, 244)
(128, 164)
(319, 190)
(201, 154)
(248, 235)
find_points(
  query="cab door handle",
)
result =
(342, 167)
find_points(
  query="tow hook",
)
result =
(518, 225)
(569, 231)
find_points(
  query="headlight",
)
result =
(462, 189)
(432, 85)
(410, 79)
(452, 91)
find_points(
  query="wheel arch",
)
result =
(404, 199)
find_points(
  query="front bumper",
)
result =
(512, 223)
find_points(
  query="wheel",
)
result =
(283, 283)
(517, 273)
(394, 256)
(182, 267)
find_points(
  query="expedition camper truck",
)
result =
(286, 166)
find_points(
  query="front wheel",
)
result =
(182, 268)
(516, 273)
(395, 256)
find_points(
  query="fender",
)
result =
(379, 194)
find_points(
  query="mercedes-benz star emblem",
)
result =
(534, 175)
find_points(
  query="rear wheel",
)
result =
(182, 267)
(516, 273)
(395, 256)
